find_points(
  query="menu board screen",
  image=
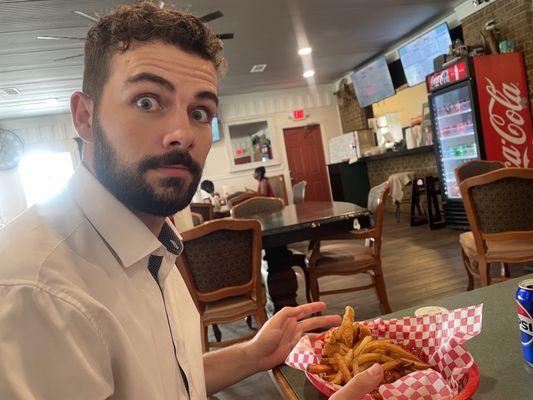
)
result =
(417, 56)
(373, 82)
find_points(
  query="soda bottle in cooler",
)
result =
(524, 300)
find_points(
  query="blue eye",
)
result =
(200, 115)
(147, 103)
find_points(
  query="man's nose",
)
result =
(181, 134)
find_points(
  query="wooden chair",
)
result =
(221, 264)
(204, 209)
(277, 182)
(256, 205)
(340, 260)
(498, 208)
(197, 219)
(298, 192)
(468, 170)
(233, 195)
(243, 196)
(476, 167)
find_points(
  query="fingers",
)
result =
(319, 322)
(360, 384)
(303, 310)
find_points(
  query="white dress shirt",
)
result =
(81, 317)
(202, 197)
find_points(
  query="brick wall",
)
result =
(514, 18)
(353, 117)
(423, 164)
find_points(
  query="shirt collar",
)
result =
(124, 232)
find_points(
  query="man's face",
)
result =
(152, 127)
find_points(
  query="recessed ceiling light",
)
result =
(304, 51)
(51, 102)
(309, 74)
(258, 68)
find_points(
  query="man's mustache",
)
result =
(172, 158)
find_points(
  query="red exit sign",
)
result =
(298, 114)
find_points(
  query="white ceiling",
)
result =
(342, 33)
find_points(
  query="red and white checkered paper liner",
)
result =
(440, 336)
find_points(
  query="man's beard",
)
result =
(128, 182)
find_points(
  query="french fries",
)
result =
(350, 348)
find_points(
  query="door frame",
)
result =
(321, 125)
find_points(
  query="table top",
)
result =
(496, 350)
(308, 214)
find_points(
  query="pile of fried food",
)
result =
(350, 349)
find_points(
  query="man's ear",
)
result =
(81, 108)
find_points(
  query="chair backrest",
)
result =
(240, 198)
(379, 196)
(498, 205)
(375, 198)
(476, 167)
(233, 195)
(197, 219)
(204, 209)
(256, 205)
(298, 192)
(277, 183)
(221, 259)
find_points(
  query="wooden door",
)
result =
(305, 154)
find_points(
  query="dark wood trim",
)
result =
(283, 387)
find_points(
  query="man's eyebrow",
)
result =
(148, 77)
(206, 95)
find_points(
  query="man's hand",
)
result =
(275, 340)
(360, 384)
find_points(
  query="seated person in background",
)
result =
(264, 188)
(207, 192)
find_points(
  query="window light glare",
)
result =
(44, 174)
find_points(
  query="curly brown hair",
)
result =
(143, 22)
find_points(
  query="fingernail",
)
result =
(375, 370)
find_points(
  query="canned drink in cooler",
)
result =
(524, 300)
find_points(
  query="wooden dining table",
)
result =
(497, 351)
(297, 223)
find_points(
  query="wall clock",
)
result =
(11, 150)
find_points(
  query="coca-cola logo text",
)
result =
(505, 108)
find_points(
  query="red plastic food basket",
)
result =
(466, 393)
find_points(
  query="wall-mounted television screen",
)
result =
(417, 56)
(215, 128)
(373, 82)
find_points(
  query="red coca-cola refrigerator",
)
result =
(480, 110)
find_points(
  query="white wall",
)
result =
(54, 133)
(319, 103)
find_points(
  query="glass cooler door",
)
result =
(454, 122)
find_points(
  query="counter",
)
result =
(400, 153)
(352, 182)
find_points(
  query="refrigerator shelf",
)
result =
(471, 157)
(445, 138)
(454, 114)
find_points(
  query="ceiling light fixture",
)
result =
(258, 68)
(309, 74)
(304, 51)
(86, 16)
